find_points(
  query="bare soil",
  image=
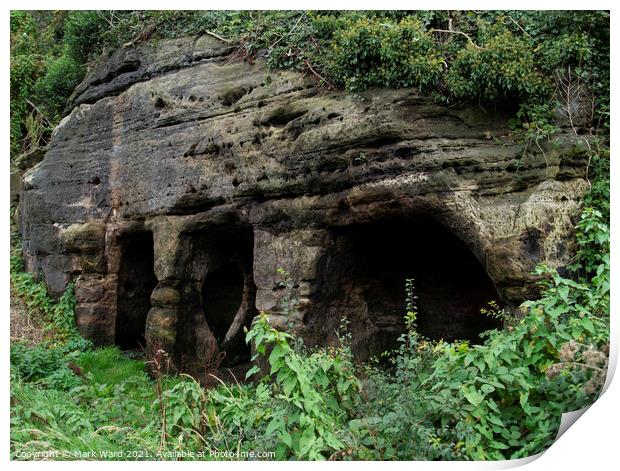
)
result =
(23, 327)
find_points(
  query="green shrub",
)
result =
(83, 34)
(93, 416)
(299, 407)
(182, 408)
(376, 52)
(58, 317)
(26, 65)
(53, 89)
(504, 68)
(44, 366)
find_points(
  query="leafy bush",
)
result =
(83, 34)
(101, 416)
(58, 316)
(47, 366)
(26, 64)
(182, 408)
(299, 405)
(373, 52)
(505, 68)
(53, 89)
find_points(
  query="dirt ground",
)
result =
(23, 327)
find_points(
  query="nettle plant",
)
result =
(181, 409)
(300, 404)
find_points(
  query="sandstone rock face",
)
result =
(187, 191)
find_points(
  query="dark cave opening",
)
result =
(136, 282)
(228, 291)
(371, 264)
(221, 297)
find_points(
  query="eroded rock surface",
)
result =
(187, 191)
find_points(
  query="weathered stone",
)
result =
(93, 322)
(160, 329)
(184, 181)
(15, 184)
(96, 306)
(165, 296)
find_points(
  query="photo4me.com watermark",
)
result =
(223, 455)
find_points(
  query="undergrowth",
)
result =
(56, 317)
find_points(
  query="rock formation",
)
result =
(186, 191)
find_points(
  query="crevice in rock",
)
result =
(282, 116)
(233, 95)
(125, 67)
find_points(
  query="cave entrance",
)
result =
(136, 282)
(228, 291)
(372, 264)
(222, 292)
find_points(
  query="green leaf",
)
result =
(588, 325)
(473, 396)
(278, 352)
(306, 440)
(484, 431)
(523, 398)
(495, 420)
(276, 424)
(499, 446)
(285, 438)
(255, 369)
(289, 384)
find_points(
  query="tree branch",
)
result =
(35, 108)
(217, 36)
(520, 27)
(319, 76)
(449, 31)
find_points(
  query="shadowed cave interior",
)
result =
(136, 281)
(365, 279)
(228, 291)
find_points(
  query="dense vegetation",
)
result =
(500, 399)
